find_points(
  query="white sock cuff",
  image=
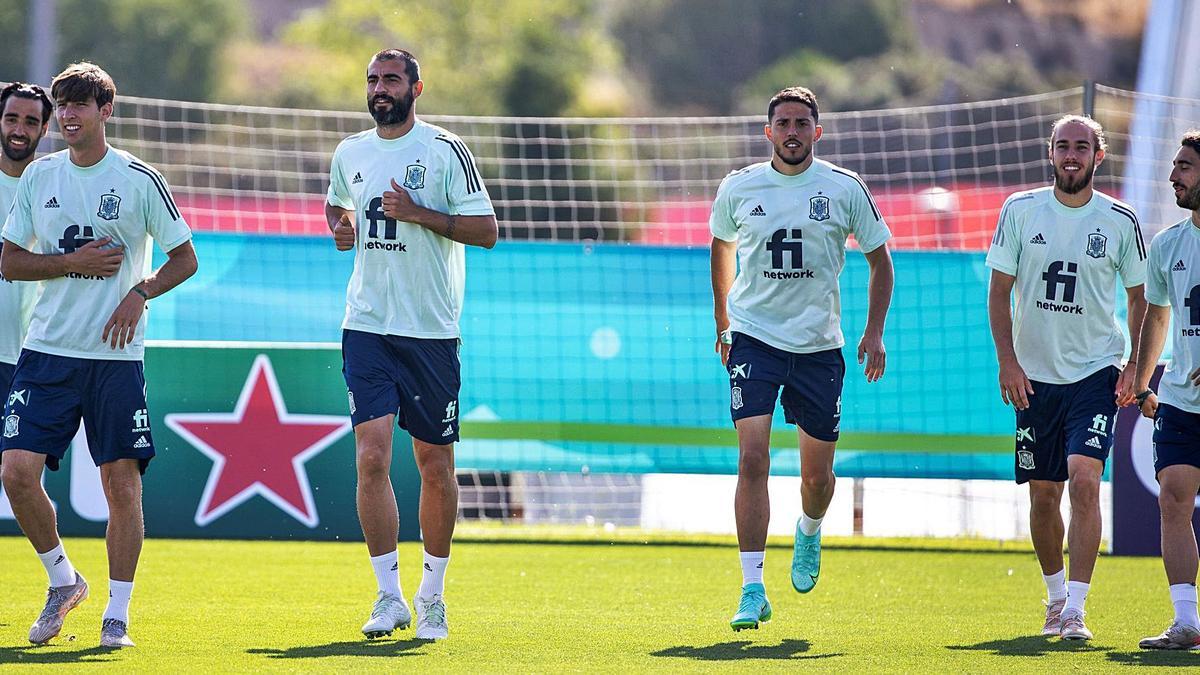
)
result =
(1184, 592)
(1056, 585)
(125, 587)
(809, 525)
(392, 556)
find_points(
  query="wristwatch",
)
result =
(1141, 398)
(726, 337)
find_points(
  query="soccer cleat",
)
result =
(1178, 636)
(806, 560)
(114, 633)
(1053, 625)
(752, 609)
(1073, 628)
(59, 601)
(389, 613)
(431, 618)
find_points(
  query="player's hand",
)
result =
(121, 326)
(1194, 376)
(1015, 387)
(97, 258)
(343, 233)
(722, 349)
(872, 351)
(1124, 392)
(1149, 407)
(398, 204)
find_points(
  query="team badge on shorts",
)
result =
(735, 398)
(350, 395)
(414, 177)
(818, 208)
(110, 207)
(12, 426)
(1025, 460)
(1096, 245)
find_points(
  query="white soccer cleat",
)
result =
(59, 601)
(114, 633)
(390, 613)
(1073, 628)
(431, 618)
(1177, 636)
(1053, 625)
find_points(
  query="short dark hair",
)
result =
(794, 95)
(411, 68)
(81, 81)
(1191, 139)
(30, 91)
(1098, 138)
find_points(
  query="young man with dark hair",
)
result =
(784, 224)
(1173, 291)
(81, 224)
(24, 118)
(1063, 248)
(406, 197)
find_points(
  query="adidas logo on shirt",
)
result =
(52, 204)
(758, 211)
(1038, 239)
(1179, 267)
(141, 443)
(357, 178)
(1094, 442)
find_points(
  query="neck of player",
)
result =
(1076, 200)
(90, 152)
(1196, 218)
(13, 168)
(786, 169)
(390, 132)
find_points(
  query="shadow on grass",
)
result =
(389, 648)
(1155, 657)
(740, 650)
(55, 653)
(1030, 645)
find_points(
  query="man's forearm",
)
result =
(18, 264)
(1136, 311)
(469, 230)
(1151, 337)
(333, 214)
(879, 294)
(180, 265)
(723, 269)
(1000, 318)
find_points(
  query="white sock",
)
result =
(387, 573)
(1183, 597)
(119, 593)
(1076, 595)
(433, 576)
(58, 566)
(810, 526)
(752, 567)
(1056, 585)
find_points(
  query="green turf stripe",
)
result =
(697, 436)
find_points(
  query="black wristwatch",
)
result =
(1141, 398)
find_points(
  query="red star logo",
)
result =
(258, 449)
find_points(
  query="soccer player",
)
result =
(1062, 248)
(406, 196)
(24, 118)
(82, 223)
(784, 223)
(1173, 291)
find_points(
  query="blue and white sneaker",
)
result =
(753, 609)
(806, 560)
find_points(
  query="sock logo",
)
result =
(60, 559)
(428, 568)
(395, 566)
(760, 566)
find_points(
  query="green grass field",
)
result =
(207, 606)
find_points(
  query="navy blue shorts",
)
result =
(1066, 419)
(415, 379)
(1176, 437)
(50, 394)
(812, 385)
(6, 375)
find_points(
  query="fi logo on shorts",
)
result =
(451, 412)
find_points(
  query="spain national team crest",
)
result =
(1097, 243)
(110, 206)
(1025, 460)
(735, 398)
(414, 177)
(818, 208)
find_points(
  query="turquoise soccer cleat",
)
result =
(753, 609)
(806, 561)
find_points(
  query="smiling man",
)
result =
(406, 197)
(1173, 291)
(779, 245)
(82, 223)
(1063, 248)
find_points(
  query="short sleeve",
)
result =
(866, 221)
(18, 224)
(720, 220)
(465, 193)
(1157, 292)
(164, 222)
(1132, 261)
(339, 192)
(1005, 251)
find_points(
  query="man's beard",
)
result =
(19, 155)
(795, 162)
(396, 114)
(1190, 199)
(1061, 181)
